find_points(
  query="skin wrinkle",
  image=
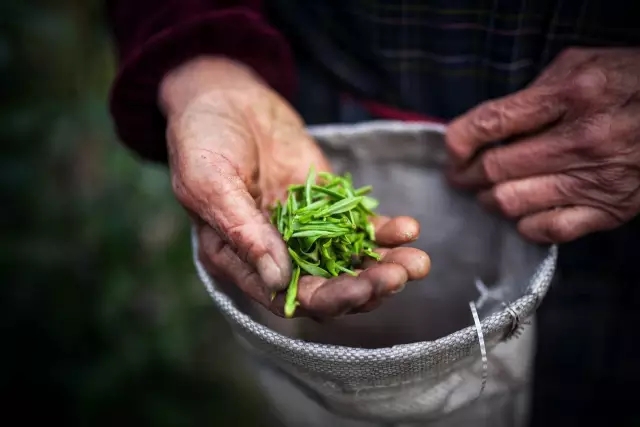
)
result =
(498, 119)
(248, 279)
(607, 185)
(234, 144)
(589, 156)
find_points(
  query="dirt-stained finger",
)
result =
(416, 262)
(396, 231)
(325, 298)
(385, 278)
(223, 262)
(209, 185)
(336, 296)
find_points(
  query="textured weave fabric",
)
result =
(430, 364)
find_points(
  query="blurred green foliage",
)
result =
(102, 318)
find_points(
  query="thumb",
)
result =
(217, 194)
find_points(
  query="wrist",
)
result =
(208, 77)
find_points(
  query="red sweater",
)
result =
(154, 36)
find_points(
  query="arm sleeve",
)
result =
(154, 36)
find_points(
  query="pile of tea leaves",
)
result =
(326, 226)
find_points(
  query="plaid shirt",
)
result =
(444, 57)
(447, 56)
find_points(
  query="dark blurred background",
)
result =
(102, 320)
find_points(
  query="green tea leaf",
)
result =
(316, 233)
(371, 231)
(314, 270)
(371, 254)
(313, 206)
(290, 302)
(311, 179)
(370, 203)
(343, 205)
(325, 224)
(363, 190)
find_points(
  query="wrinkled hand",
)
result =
(571, 165)
(234, 148)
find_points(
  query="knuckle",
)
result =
(589, 139)
(589, 85)
(489, 120)
(560, 229)
(507, 201)
(211, 266)
(243, 239)
(492, 166)
(562, 189)
(582, 145)
(456, 138)
(209, 254)
(355, 296)
(211, 244)
(244, 276)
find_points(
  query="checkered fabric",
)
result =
(447, 55)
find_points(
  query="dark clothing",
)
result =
(154, 36)
(436, 58)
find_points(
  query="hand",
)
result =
(234, 148)
(572, 163)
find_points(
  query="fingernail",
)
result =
(398, 289)
(410, 236)
(270, 273)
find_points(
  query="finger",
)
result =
(547, 153)
(333, 297)
(565, 224)
(515, 199)
(396, 231)
(215, 273)
(224, 263)
(564, 64)
(223, 201)
(415, 262)
(386, 278)
(523, 112)
(370, 306)
(322, 298)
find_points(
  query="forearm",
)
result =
(155, 37)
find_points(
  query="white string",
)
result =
(483, 348)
